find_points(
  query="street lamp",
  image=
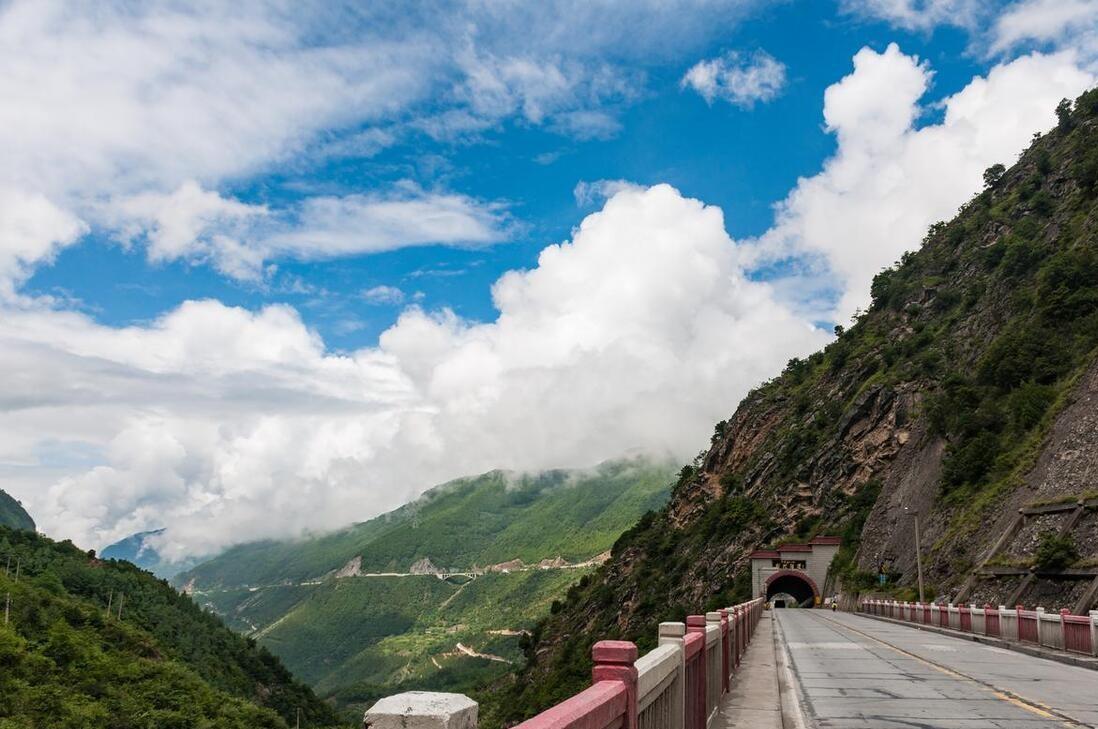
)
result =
(918, 553)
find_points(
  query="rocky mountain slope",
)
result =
(12, 513)
(436, 595)
(93, 643)
(966, 391)
(139, 550)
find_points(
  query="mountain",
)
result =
(91, 643)
(967, 391)
(12, 513)
(437, 594)
(138, 550)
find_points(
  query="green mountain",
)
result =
(12, 513)
(966, 392)
(89, 643)
(363, 612)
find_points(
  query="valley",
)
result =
(441, 593)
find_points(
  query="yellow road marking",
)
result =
(1034, 707)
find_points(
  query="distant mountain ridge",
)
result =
(365, 611)
(477, 521)
(137, 550)
(12, 513)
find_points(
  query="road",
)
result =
(857, 672)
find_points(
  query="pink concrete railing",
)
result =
(677, 685)
(1060, 631)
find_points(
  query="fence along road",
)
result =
(861, 673)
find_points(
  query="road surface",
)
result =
(857, 672)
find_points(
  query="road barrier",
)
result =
(1060, 631)
(677, 685)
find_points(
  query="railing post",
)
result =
(422, 710)
(727, 635)
(672, 634)
(614, 661)
(713, 619)
(696, 624)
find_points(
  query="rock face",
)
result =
(353, 568)
(424, 567)
(968, 390)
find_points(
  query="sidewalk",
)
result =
(755, 701)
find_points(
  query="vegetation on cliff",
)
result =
(939, 397)
(153, 659)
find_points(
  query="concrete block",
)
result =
(422, 710)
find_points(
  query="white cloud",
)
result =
(737, 78)
(146, 103)
(32, 230)
(193, 224)
(921, 15)
(890, 178)
(228, 425)
(588, 193)
(327, 227)
(1058, 22)
(383, 295)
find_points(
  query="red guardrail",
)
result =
(1074, 633)
(991, 621)
(612, 701)
(1078, 633)
(1027, 626)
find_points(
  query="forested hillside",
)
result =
(966, 391)
(363, 613)
(89, 643)
(12, 513)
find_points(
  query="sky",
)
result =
(270, 268)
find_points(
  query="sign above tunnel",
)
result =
(795, 573)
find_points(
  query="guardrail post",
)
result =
(727, 636)
(672, 634)
(422, 710)
(614, 661)
(713, 619)
(696, 624)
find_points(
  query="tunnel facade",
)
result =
(797, 570)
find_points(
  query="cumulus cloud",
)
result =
(739, 79)
(227, 425)
(890, 178)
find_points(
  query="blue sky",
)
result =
(268, 268)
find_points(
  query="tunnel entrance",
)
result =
(792, 584)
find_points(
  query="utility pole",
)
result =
(918, 554)
(110, 601)
(7, 607)
(299, 717)
(121, 599)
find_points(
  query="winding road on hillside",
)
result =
(858, 673)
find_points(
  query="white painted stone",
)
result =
(422, 710)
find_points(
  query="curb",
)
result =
(793, 703)
(1029, 650)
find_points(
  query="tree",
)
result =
(993, 174)
(1064, 120)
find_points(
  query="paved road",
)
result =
(862, 673)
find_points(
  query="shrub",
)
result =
(1055, 551)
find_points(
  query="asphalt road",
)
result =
(853, 671)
